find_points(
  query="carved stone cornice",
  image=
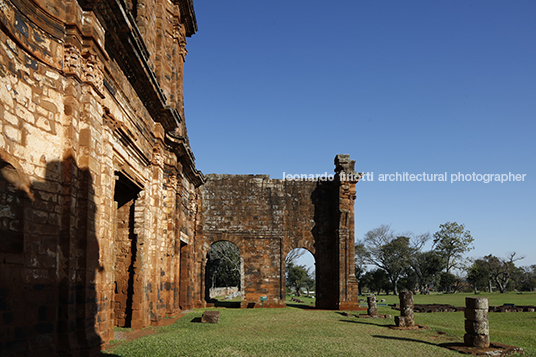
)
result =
(188, 15)
(125, 44)
(179, 145)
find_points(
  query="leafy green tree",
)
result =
(426, 266)
(388, 252)
(309, 283)
(376, 281)
(296, 277)
(478, 275)
(527, 278)
(452, 241)
(223, 265)
(447, 281)
(360, 265)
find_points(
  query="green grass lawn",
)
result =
(295, 331)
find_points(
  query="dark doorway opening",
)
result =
(125, 245)
(184, 283)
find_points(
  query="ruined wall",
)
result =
(267, 218)
(97, 180)
(101, 222)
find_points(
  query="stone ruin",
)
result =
(211, 317)
(476, 322)
(372, 309)
(406, 318)
(104, 218)
(477, 339)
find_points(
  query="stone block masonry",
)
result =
(211, 317)
(98, 188)
(267, 218)
(372, 309)
(406, 318)
(476, 322)
(104, 219)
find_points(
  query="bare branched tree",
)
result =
(294, 254)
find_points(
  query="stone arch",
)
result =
(13, 173)
(208, 286)
(268, 217)
(306, 251)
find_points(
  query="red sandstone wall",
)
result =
(267, 218)
(78, 132)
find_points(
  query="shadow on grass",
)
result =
(362, 322)
(301, 306)
(196, 319)
(404, 339)
(227, 304)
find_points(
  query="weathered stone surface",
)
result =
(103, 221)
(480, 327)
(267, 218)
(472, 302)
(406, 298)
(476, 323)
(476, 314)
(372, 309)
(93, 191)
(406, 318)
(210, 317)
(476, 340)
(404, 321)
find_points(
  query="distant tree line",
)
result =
(401, 263)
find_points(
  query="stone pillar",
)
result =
(372, 309)
(406, 318)
(476, 322)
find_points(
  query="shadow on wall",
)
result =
(49, 258)
(325, 199)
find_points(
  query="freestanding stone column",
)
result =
(406, 318)
(476, 322)
(372, 309)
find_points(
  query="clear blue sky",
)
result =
(401, 86)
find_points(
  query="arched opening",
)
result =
(224, 274)
(300, 278)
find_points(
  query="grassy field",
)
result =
(296, 331)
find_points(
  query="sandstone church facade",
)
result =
(104, 219)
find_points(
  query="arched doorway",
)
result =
(300, 278)
(224, 274)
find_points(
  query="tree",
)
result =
(223, 264)
(309, 283)
(294, 254)
(360, 267)
(447, 281)
(426, 266)
(501, 269)
(388, 252)
(376, 280)
(452, 241)
(296, 277)
(478, 275)
(527, 280)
